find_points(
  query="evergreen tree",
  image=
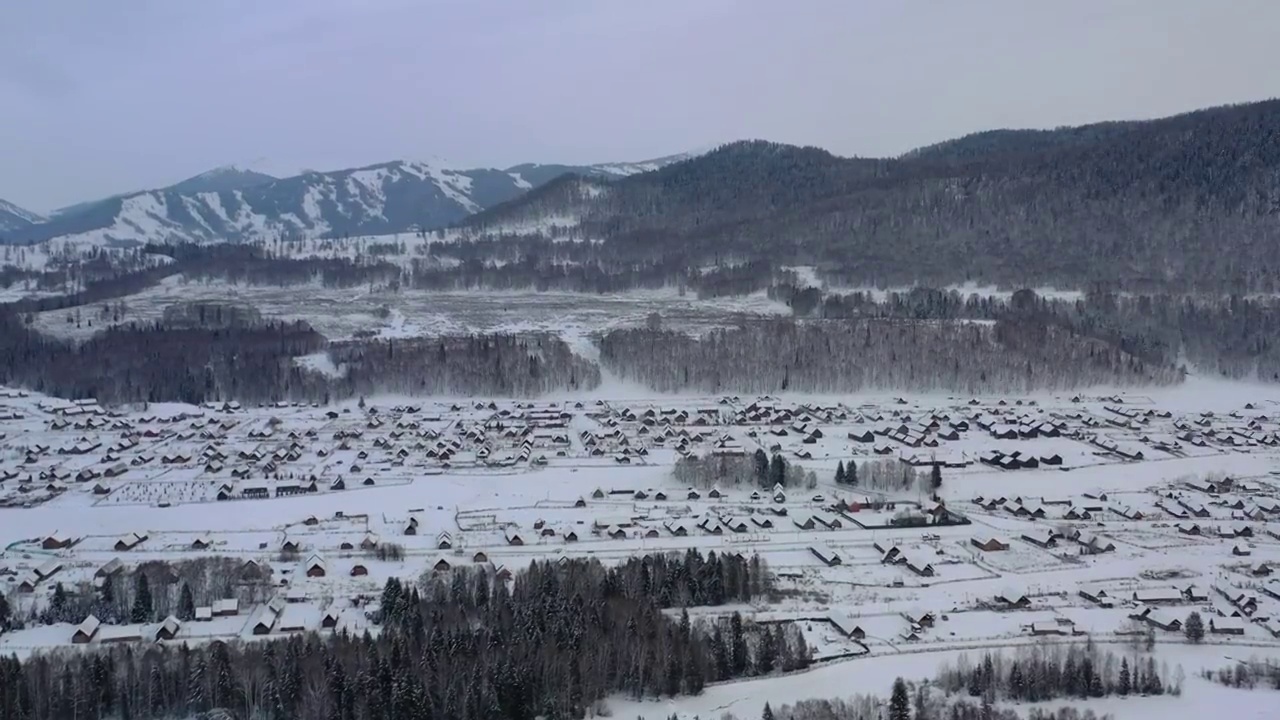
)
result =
(1071, 675)
(5, 613)
(768, 712)
(197, 699)
(840, 473)
(1125, 685)
(803, 653)
(767, 653)
(1017, 684)
(935, 477)
(1156, 687)
(155, 692)
(1194, 627)
(141, 610)
(762, 466)
(1096, 688)
(186, 604)
(851, 474)
(738, 659)
(720, 655)
(900, 701)
(58, 604)
(777, 471)
(106, 598)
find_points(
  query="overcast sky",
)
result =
(104, 97)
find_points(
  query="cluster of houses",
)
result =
(913, 559)
(771, 411)
(1237, 431)
(93, 630)
(1018, 460)
(1089, 543)
(1088, 506)
(1152, 606)
(509, 436)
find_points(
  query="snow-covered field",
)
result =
(341, 313)
(501, 482)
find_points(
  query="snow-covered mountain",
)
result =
(14, 218)
(222, 179)
(231, 204)
(227, 177)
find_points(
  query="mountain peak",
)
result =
(220, 179)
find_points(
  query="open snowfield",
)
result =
(875, 675)
(341, 313)
(500, 482)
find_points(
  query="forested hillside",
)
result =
(834, 340)
(851, 356)
(1190, 202)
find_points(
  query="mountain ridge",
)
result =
(1190, 201)
(236, 204)
(14, 218)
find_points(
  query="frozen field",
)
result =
(1128, 500)
(341, 313)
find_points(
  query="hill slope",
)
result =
(14, 218)
(1190, 201)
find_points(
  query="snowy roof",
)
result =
(1227, 623)
(89, 626)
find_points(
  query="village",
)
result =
(1052, 519)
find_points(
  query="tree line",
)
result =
(553, 643)
(759, 469)
(1057, 671)
(848, 356)
(153, 590)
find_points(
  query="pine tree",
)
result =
(900, 701)
(767, 652)
(840, 473)
(5, 613)
(155, 692)
(762, 466)
(935, 477)
(106, 598)
(58, 604)
(141, 610)
(1070, 675)
(1017, 684)
(851, 474)
(804, 654)
(777, 471)
(196, 696)
(186, 604)
(720, 655)
(1126, 682)
(1194, 627)
(1096, 688)
(1153, 678)
(738, 659)
(768, 712)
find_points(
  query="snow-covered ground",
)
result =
(341, 313)
(589, 476)
(874, 675)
